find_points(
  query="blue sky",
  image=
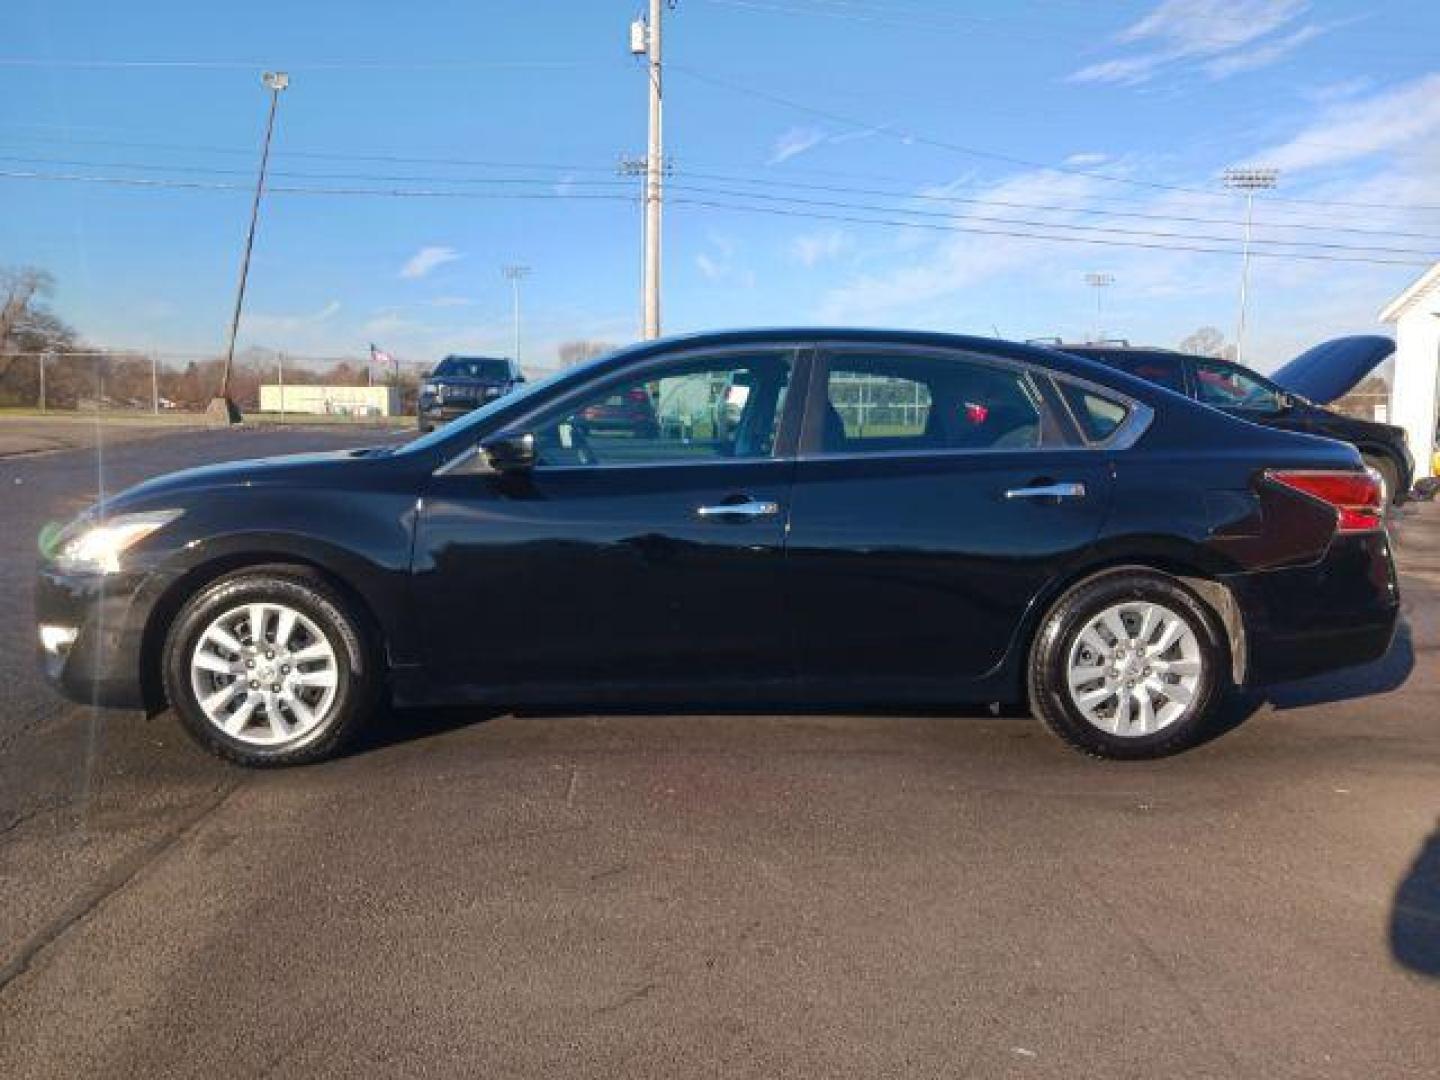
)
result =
(932, 120)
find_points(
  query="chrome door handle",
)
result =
(1048, 491)
(744, 509)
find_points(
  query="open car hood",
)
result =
(1333, 368)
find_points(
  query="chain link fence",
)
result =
(177, 384)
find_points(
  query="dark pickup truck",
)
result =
(460, 384)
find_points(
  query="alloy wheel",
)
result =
(265, 674)
(1134, 669)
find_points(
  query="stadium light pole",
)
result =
(513, 274)
(222, 408)
(1249, 181)
(1099, 282)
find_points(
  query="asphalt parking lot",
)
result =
(669, 896)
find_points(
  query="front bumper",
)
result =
(1336, 613)
(108, 613)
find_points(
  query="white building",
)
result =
(330, 400)
(1416, 387)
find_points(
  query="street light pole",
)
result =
(1249, 181)
(223, 408)
(1099, 282)
(513, 273)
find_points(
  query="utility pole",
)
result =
(1249, 181)
(645, 39)
(1099, 282)
(222, 409)
(513, 274)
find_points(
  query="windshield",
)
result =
(472, 367)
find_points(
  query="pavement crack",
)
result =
(114, 880)
(638, 994)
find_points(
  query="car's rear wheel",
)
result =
(269, 668)
(1389, 478)
(1127, 665)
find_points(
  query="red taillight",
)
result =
(1354, 495)
(637, 395)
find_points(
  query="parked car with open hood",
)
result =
(1294, 398)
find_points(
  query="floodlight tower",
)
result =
(222, 408)
(513, 273)
(1249, 181)
(1099, 282)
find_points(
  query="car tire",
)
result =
(1149, 695)
(311, 664)
(1389, 476)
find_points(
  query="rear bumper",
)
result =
(1337, 613)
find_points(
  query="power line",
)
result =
(309, 65)
(921, 196)
(766, 197)
(710, 203)
(573, 167)
(909, 135)
(937, 227)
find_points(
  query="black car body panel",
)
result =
(1331, 366)
(462, 384)
(903, 577)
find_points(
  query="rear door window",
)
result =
(879, 403)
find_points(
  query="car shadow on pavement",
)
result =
(1415, 913)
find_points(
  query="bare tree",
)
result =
(1208, 341)
(577, 352)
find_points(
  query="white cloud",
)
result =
(1087, 158)
(826, 245)
(451, 301)
(719, 263)
(711, 268)
(1218, 32)
(795, 141)
(260, 323)
(427, 259)
(1395, 119)
(1233, 63)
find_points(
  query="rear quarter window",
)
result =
(1098, 415)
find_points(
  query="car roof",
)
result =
(1055, 359)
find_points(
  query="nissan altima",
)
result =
(883, 519)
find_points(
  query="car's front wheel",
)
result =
(1127, 665)
(269, 667)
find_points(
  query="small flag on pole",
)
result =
(380, 356)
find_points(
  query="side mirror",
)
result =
(510, 453)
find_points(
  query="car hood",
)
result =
(250, 472)
(1333, 368)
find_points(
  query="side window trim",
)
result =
(825, 354)
(1137, 420)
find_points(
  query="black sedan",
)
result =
(893, 520)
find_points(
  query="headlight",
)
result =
(429, 388)
(97, 546)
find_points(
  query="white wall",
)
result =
(1417, 378)
(330, 400)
